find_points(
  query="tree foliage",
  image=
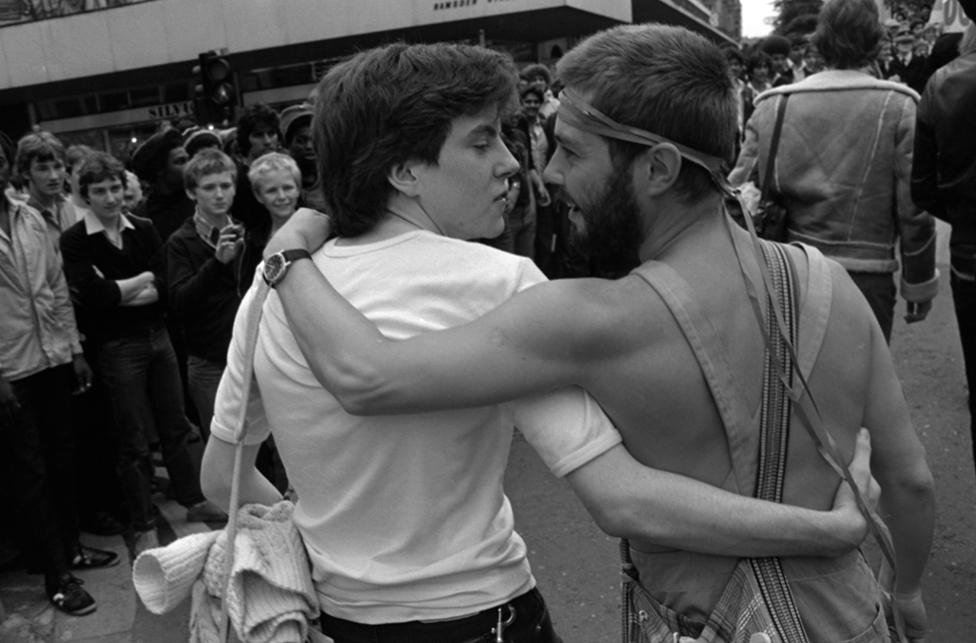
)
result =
(796, 15)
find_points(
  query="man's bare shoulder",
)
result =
(599, 314)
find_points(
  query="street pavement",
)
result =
(575, 564)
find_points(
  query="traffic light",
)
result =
(215, 95)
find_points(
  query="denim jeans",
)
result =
(143, 383)
(879, 289)
(38, 463)
(964, 301)
(203, 378)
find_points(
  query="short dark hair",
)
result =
(392, 104)
(253, 116)
(774, 44)
(663, 79)
(536, 69)
(848, 33)
(39, 146)
(758, 58)
(99, 166)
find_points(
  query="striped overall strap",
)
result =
(774, 439)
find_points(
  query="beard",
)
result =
(611, 238)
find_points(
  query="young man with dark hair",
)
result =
(41, 365)
(778, 50)
(203, 267)
(409, 531)
(257, 134)
(113, 264)
(674, 352)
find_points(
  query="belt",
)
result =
(493, 624)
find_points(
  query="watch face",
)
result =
(274, 268)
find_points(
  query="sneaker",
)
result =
(68, 596)
(205, 511)
(91, 558)
(144, 540)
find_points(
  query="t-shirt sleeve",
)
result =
(230, 393)
(567, 428)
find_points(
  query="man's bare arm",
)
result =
(629, 500)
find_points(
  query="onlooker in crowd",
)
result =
(200, 138)
(909, 68)
(73, 158)
(40, 162)
(944, 183)
(132, 195)
(41, 364)
(203, 262)
(158, 162)
(843, 164)
(275, 179)
(813, 62)
(758, 66)
(645, 345)
(452, 568)
(549, 233)
(798, 50)
(539, 75)
(296, 123)
(737, 68)
(883, 61)
(257, 134)
(778, 50)
(113, 264)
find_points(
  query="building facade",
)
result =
(108, 73)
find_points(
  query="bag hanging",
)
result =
(771, 218)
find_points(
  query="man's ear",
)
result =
(191, 195)
(405, 178)
(658, 168)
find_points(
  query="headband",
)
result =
(581, 115)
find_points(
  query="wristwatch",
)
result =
(276, 265)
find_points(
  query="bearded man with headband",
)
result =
(645, 130)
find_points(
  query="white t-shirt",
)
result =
(404, 517)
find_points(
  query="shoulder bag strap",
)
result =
(252, 325)
(773, 147)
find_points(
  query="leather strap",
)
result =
(773, 147)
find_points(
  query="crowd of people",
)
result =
(118, 312)
(119, 307)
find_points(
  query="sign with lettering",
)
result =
(170, 110)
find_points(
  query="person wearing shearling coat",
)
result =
(843, 170)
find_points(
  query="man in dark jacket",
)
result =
(944, 183)
(910, 69)
(202, 264)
